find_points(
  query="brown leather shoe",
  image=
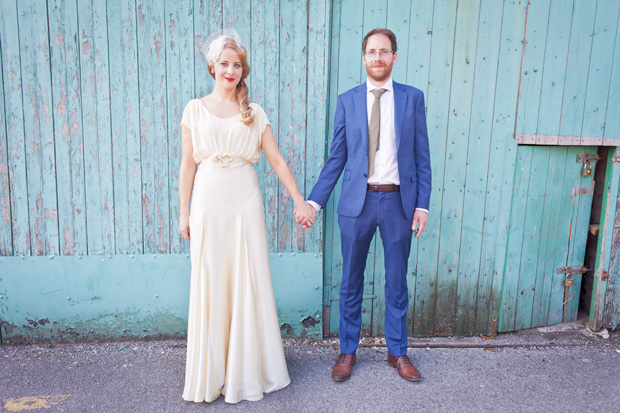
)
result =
(342, 368)
(405, 368)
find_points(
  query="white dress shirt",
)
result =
(386, 161)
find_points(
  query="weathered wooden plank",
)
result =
(14, 123)
(6, 236)
(548, 281)
(153, 126)
(475, 279)
(345, 75)
(332, 262)
(263, 83)
(577, 65)
(510, 291)
(125, 117)
(207, 20)
(438, 104)
(292, 125)
(527, 121)
(180, 90)
(599, 73)
(455, 171)
(503, 151)
(67, 109)
(97, 136)
(416, 57)
(38, 127)
(236, 14)
(316, 108)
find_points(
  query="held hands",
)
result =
(184, 226)
(305, 214)
(419, 217)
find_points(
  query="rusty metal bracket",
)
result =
(588, 157)
(615, 158)
(604, 275)
(493, 331)
(572, 270)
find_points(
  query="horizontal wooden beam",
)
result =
(562, 140)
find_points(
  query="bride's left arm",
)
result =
(304, 213)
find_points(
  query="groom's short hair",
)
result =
(387, 32)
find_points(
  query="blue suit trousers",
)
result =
(385, 210)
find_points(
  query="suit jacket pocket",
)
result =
(347, 175)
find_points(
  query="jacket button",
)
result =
(365, 176)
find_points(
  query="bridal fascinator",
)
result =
(216, 42)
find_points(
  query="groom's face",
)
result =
(378, 57)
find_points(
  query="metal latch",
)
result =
(588, 157)
(572, 270)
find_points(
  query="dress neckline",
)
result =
(213, 114)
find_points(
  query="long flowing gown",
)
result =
(234, 346)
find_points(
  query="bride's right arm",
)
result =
(186, 180)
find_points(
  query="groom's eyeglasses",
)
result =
(381, 53)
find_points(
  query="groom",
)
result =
(380, 141)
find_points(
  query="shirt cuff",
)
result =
(314, 205)
(422, 209)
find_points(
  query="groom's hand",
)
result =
(419, 218)
(305, 215)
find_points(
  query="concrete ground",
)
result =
(560, 369)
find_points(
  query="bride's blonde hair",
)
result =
(216, 47)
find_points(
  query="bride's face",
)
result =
(228, 69)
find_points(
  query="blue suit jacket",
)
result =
(349, 151)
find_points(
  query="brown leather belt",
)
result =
(383, 187)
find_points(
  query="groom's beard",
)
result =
(379, 72)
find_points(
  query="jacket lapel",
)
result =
(400, 102)
(359, 100)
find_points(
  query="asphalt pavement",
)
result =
(562, 369)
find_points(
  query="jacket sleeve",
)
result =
(422, 156)
(335, 163)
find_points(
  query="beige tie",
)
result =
(373, 130)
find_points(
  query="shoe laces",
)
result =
(343, 358)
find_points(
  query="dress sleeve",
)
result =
(261, 119)
(188, 115)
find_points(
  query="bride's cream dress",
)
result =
(233, 337)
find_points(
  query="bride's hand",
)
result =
(305, 214)
(184, 226)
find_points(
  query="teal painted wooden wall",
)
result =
(501, 213)
(93, 92)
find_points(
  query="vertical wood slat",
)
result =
(125, 127)
(67, 109)
(6, 236)
(429, 282)
(38, 127)
(178, 24)
(577, 64)
(417, 60)
(474, 289)
(95, 88)
(502, 155)
(207, 19)
(153, 126)
(344, 77)
(452, 204)
(599, 75)
(263, 83)
(535, 173)
(316, 108)
(15, 134)
(332, 260)
(292, 123)
(554, 71)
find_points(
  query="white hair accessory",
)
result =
(215, 43)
